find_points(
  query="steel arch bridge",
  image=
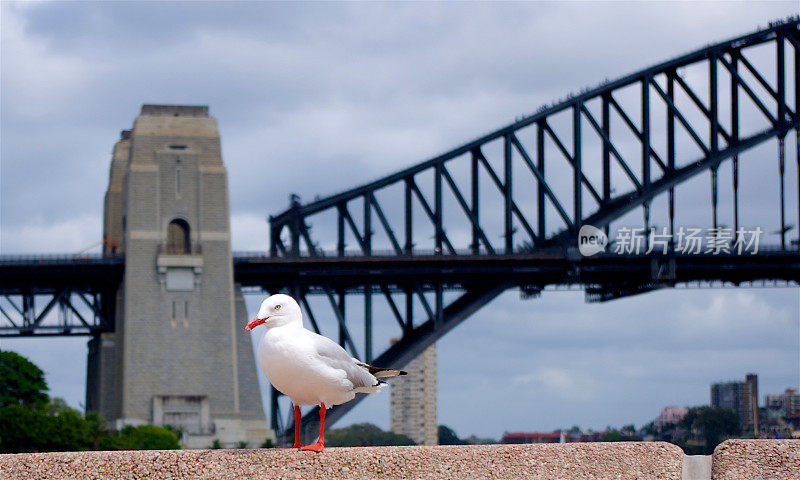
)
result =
(426, 238)
(428, 246)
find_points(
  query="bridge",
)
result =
(428, 246)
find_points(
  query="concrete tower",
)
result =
(179, 354)
(412, 400)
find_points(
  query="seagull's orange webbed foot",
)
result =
(314, 447)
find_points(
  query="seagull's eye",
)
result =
(277, 307)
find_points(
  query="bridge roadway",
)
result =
(596, 273)
(604, 276)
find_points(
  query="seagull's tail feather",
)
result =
(379, 372)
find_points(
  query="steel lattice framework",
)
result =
(654, 129)
(80, 290)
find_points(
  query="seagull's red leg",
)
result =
(297, 420)
(317, 447)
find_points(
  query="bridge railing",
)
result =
(55, 258)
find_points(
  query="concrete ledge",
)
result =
(756, 459)
(574, 461)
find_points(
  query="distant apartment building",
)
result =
(412, 400)
(741, 398)
(785, 404)
(782, 414)
(670, 415)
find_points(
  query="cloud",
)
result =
(72, 235)
(318, 98)
(558, 381)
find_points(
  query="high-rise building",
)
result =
(179, 354)
(741, 398)
(413, 400)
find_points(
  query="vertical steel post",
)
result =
(781, 170)
(29, 308)
(539, 187)
(409, 239)
(714, 129)
(671, 153)
(576, 154)
(274, 235)
(606, 154)
(340, 307)
(294, 226)
(368, 323)
(646, 147)
(509, 227)
(781, 74)
(340, 229)
(475, 203)
(714, 196)
(367, 224)
(781, 82)
(713, 106)
(438, 209)
(735, 139)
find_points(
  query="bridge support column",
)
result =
(101, 376)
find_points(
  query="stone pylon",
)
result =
(179, 354)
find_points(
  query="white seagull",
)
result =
(308, 368)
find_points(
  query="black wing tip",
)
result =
(401, 372)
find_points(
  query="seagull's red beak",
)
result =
(254, 323)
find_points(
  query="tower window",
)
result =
(178, 240)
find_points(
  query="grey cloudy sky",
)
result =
(314, 98)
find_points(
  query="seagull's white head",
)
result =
(280, 310)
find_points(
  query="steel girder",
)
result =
(544, 216)
(58, 295)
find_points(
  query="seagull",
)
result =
(308, 368)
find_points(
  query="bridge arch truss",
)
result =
(438, 240)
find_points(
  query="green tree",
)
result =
(474, 440)
(31, 422)
(68, 432)
(611, 435)
(625, 434)
(23, 429)
(362, 435)
(713, 424)
(21, 382)
(448, 437)
(145, 437)
(96, 428)
(650, 429)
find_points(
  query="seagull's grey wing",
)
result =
(337, 357)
